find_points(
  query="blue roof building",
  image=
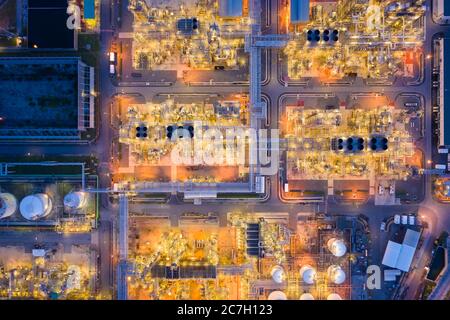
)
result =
(89, 9)
(299, 11)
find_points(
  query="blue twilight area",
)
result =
(299, 11)
(89, 9)
(47, 25)
(446, 8)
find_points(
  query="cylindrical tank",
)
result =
(308, 274)
(8, 205)
(75, 200)
(277, 295)
(307, 296)
(277, 273)
(334, 296)
(336, 274)
(35, 206)
(337, 247)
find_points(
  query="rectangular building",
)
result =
(89, 9)
(299, 10)
(400, 256)
(46, 98)
(230, 8)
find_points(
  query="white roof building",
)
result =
(230, 8)
(38, 253)
(400, 256)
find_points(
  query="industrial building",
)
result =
(58, 94)
(441, 10)
(230, 8)
(151, 145)
(443, 97)
(299, 10)
(47, 28)
(400, 255)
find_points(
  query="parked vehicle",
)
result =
(391, 190)
(405, 219)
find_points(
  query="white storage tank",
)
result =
(307, 296)
(334, 296)
(308, 274)
(336, 274)
(277, 295)
(8, 205)
(277, 273)
(337, 247)
(35, 206)
(75, 200)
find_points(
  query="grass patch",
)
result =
(89, 48)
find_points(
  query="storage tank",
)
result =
(337, 247)
(8, 205)
(307, 296)
(334, 296)
(336, 274)
(35, 206)
(277, 273)
(277, 295)
(308, 274)
(75, 200)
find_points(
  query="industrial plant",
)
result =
(252, 257)
(227, 150)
